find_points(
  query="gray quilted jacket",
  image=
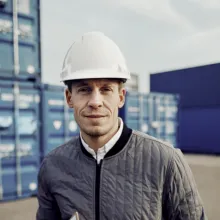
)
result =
(139, 178)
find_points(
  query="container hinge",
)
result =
(19, 190)
(15, 36)
(1, 192)
(17, 139)
(1, 183)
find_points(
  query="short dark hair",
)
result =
(69, 83)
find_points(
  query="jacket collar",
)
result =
(126, 133)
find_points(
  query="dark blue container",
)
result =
(155, 114)
(199, 130)
(20, 59)
(197, 86)
(19, 139)
(58, 124)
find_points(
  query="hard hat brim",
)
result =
(95, 74)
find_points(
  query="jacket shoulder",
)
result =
(60, 153)
(152, 140)
(66, 149)
(155, 148)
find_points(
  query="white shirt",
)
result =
(101, 152)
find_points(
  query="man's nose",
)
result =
(96, 100)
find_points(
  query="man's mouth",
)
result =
(94, 116)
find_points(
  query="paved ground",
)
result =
(207, 174)
(19, 210)
(206, 170)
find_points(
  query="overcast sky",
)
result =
(154, 35)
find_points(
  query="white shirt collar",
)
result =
(107, 147)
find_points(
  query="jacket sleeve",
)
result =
(181, 198)
(48, 208)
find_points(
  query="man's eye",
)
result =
(85, 89)
(106, 89)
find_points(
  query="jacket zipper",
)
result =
(97, 190)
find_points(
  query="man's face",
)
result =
(95, 103)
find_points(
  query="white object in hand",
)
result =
(75, 216)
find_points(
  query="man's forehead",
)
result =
(95, 82)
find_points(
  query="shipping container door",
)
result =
(28, 46)
(19, 139)
(135, 112)
(163, 117)
(58, 121)
(154, 114)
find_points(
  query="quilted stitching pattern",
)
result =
(147, 180)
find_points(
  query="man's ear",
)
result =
(68, 95)
(122, 95)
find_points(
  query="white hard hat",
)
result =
(94, 56)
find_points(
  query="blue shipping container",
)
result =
(199, 130)
(19, 139)
(197, 86)
(155, 114)
(20, 40)
(58, 124)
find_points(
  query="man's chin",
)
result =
(94, 131)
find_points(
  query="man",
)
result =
(111, 171)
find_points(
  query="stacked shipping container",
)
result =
(20, 40)
(19, 98)
(199, 115)
(155, 114)
(19, 139)
(58, 124)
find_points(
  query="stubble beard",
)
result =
(94, 132)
